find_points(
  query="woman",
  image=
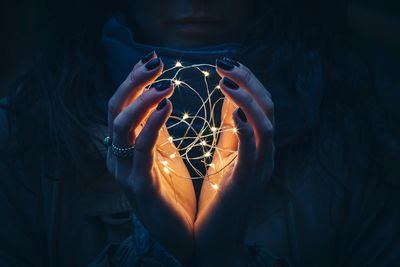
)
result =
(311, 194)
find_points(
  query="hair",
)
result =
(51, 106)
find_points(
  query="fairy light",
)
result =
(206, 73)
(177, 82)
(207, 154)
(185, 116)
(215, 186)
(203, 139)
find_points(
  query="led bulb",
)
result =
(166, 170)
(178, 64)
(214, 129)
(185, 116)
(206, 73)
(207, 154)
(203, 143)
(170, 139)
(164, 162)
(235, 130)
(177, 82)
(215, 186)
(172, 156)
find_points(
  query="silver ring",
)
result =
(107, 141)
(122, 152)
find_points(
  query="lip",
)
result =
(196, 20)
(196, 25)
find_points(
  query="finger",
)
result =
(228, 139)
(128, 120)
(145, 143)
(247, 155)
(141, 76)
(262, 125)
(242, 76)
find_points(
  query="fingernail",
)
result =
(241, 115)
(147, 57)
(152, 64)
(161, 86)
(162, 104)
(230, 84)
(233, 62)
(224, 65)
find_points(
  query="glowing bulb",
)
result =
(166, 170)
(178, 64)
(215, 186)
(206, 73)
(214, 129)
(172, 156)
(203, 143)
(212, 165)
(177, 82)
(185, 116)
(218, 87)
(207, 154)
(164, 162)
(235, 130)
(170, 139)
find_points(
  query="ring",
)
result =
(122, 152)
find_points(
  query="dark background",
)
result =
(375, 27)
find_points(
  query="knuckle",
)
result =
(118, 125)
(112, 105)
(249, 100)
(267, 129)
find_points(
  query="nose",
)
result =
(199, 6)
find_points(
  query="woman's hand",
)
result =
(221, 221)
(165, 204)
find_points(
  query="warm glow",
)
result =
(207, 154)
(207, 133)
(215, 186)
(164, 162)
(177, 82)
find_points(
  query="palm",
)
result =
(224, 159)
(171, 172)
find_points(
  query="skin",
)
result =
(193, 234)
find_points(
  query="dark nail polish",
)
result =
(147, 57)
(224, 65)
(152, 64)
(241, 115)
(233, 62)
(230, 84)
(161, 86)
(162, 104)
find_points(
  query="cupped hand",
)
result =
(223, 209)
(164, 202)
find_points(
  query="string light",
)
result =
(204, 138)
